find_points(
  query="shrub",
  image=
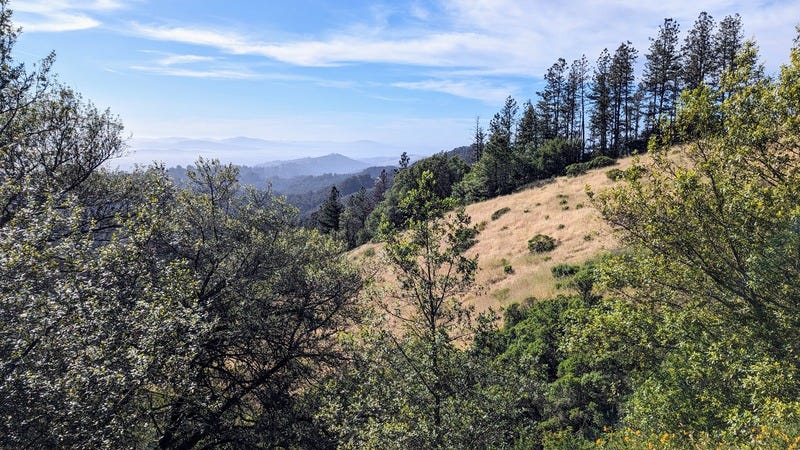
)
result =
(497, 214)
(564, 270)
(561, 226)
(601, 161)
(541, 243)
(507, 268)
(573, 170)
(596, 163)
(615, 174)
(563, 201)
(369, 253)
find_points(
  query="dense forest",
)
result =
(141, 313)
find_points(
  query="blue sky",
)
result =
(413, 74)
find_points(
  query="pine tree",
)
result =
(500, 150)
(600, 96)
(480, 141)
(551, 99)
(381, 186)
(621, 84)
(699, 53)
(330, 212)
(662, 74)
(527, 133)
(727, 43)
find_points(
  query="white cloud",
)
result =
(197, 73)
(57, 15)
(478, 90)
(476, 39)
(183, 59)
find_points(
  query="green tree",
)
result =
(354, 218)
(700, 56)
(479, 141)
(329, 214)
(621, 90)
(661, 76)
(274, 298)
(600, 95)
(714, 239)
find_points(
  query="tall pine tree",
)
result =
(662, 74)
(699, 54)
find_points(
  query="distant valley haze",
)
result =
(175, 151)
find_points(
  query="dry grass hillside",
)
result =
(560, 209)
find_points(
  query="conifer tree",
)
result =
(662, 74)
(551, 99)
(330, 212)
(699, 54)
(480, 141)
(621, 87)
(600, 96)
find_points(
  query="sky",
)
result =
(410, 74)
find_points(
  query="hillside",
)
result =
(559, 208)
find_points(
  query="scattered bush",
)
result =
(579, 206)
(499, 213)
(565, 207)
(563, 201)
(564, 270)
(561, 226)
(615, 174)
(541, 243)
(576, 169)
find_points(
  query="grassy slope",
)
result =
(536, 210)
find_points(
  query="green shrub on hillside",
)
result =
(541, 243)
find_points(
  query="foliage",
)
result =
(500, 212)
(564, 270)
(595, 163)
(713, 237)
(541, 243)
(447, 172)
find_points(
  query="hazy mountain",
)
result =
(332, 163)
(173, 151)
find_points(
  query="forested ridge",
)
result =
(139, 313)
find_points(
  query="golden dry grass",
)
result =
(560, 209)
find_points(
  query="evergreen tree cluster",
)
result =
(584, 112)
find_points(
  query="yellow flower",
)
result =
(664, 438)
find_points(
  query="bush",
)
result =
(596, 163)
(541, 243)
(615, 174)
(601, 161)
(499, 213)
(564, 270)
(573, 170)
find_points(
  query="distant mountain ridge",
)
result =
(331, 163)
(175, 151)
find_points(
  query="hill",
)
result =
(558, 208)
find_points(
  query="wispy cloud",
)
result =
(196, 73)
(52, 16)
(475, 89)
(437, 49)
